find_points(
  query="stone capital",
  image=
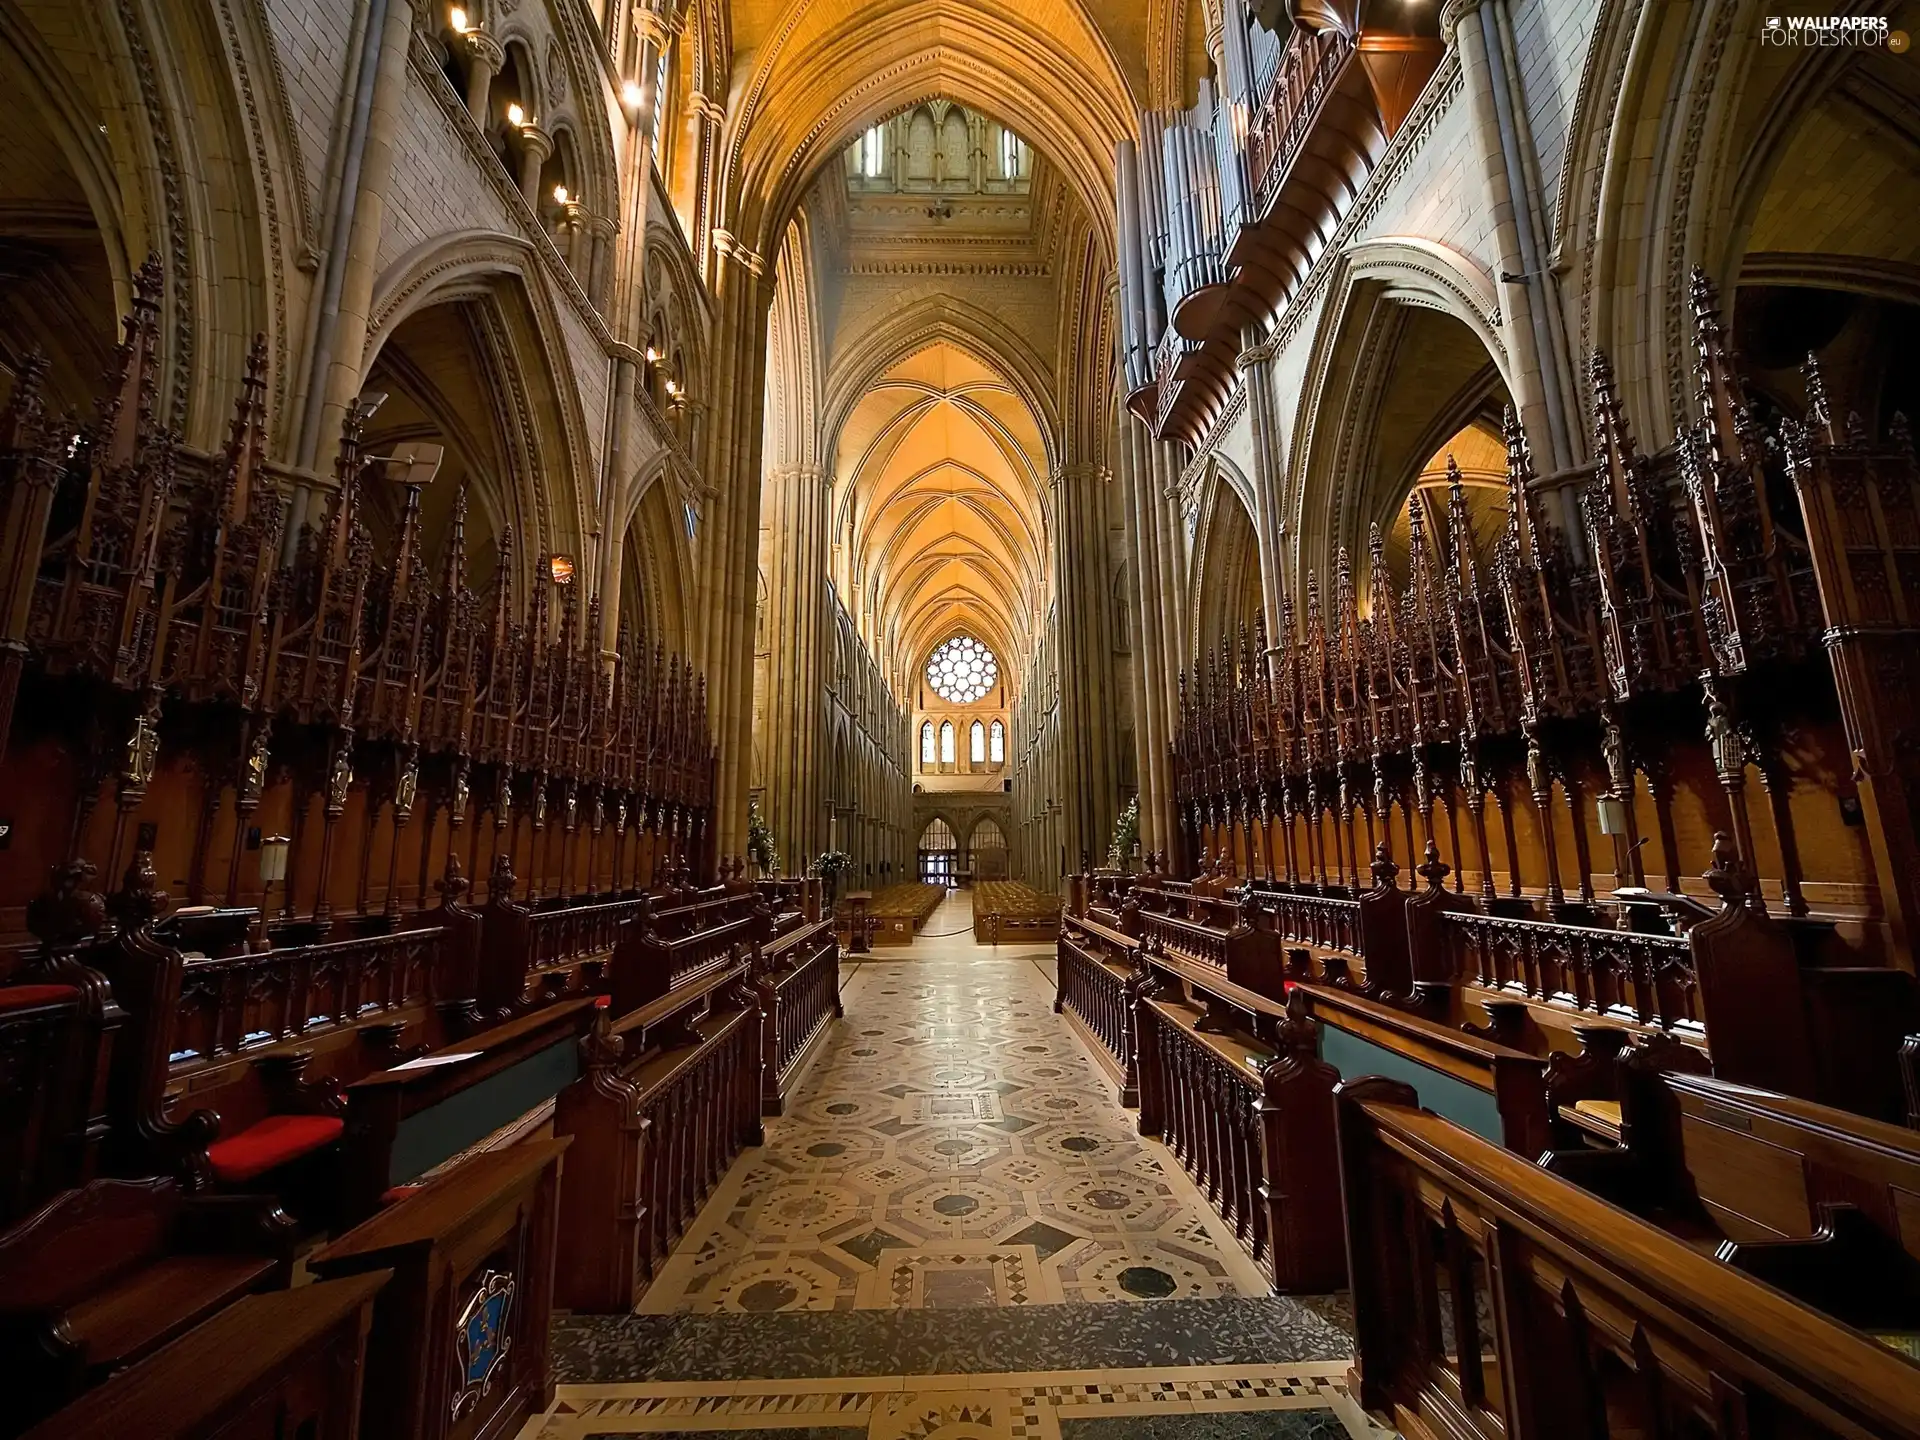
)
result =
(650, 26)
(1254, 355)
(537, 141)
(708, 110)
(731, 248)
(1082, 470)
(484, 51)
(1452, 13)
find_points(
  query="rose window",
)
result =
(962, 670)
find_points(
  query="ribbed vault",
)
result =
(940, 510)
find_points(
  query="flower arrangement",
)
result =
(830, 864)
(760, 847)
(1126, 834)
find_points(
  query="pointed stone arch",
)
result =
(1392, 302)
(539, 398)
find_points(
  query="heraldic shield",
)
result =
(480, 1339)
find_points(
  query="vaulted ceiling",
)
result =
(940, 500)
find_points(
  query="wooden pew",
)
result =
(1248, 1112)
(402, 1123)
(1494, 1301)
(212, 1078)
(1494, 1088)
(1498, 1092)
(658, 952)
(101, 1277)
(62, 1024)
(459, 1344)
(671, 1092)
(1820, 1203)
(1098, 971)
(271, 1366)
(1239, 1081)
(532, 955)
(799, 992)
(43, 1106)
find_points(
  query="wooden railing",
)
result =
(700, 1110)
(799, 993)
(237, 1003)
(1326, 922)
(648, 965)
(1626, 976)
(578, 932)
(1096, 991)
(1305, 74)
(1255, 1131)
(1496, 1302)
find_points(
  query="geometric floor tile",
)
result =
(951, 1104)
(956, 1231)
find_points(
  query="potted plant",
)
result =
(760, 847)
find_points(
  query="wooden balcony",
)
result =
(1314, 133)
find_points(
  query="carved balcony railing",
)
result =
(1299, 86)
(1648, 979)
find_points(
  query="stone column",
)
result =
(1541, 380)
(340, 336)
(727, 551)
(710, 116)
(535, 146)
(797, 623)
(485, 59)
(1082, 675)
(1269, 522)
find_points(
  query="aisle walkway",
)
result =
(954, 1150)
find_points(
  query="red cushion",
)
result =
(398, 1193)
(20, 997)
(273, 1142)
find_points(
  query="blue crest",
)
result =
(480, 1339)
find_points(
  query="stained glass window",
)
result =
(962, 670)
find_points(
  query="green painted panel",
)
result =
(1439, 1092)
(466, 1118)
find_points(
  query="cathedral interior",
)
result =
(939, 720)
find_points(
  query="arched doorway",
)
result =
(939, 854)
(987, 851)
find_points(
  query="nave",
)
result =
(955, 1150)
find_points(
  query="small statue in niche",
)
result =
(341, 778)
(406, 789)
(253, 778)
(143, 749)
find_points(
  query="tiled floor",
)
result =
(954, 1150)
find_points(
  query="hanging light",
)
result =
(515, 115)
(560, 196)
(457, 20)
(633, 96)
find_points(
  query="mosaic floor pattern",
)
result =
(954, 1232)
